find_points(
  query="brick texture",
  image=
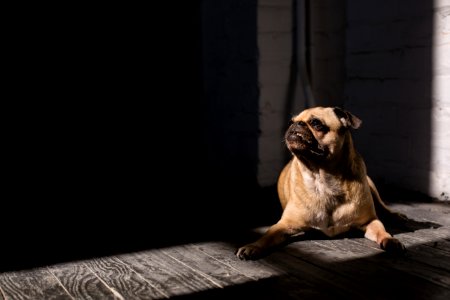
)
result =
(397, 74)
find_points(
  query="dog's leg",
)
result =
(375, 231)
(276, 235)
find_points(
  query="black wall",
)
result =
(141, 132)
(105, 145)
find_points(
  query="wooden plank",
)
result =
(121, 277)
(166, 274)
(425, 254)
(225, 253)
(332, 250)
(406, 265)
(207, 266)
(348, 268)
(425, 212)
(312, 278)
(442, 232)
(2, 294)
(80, 282)
(275, 279)
(275, 282)
(279, 287)
(436, 238)
(335, 256)
(340, 255)
(33, 284)
(302, 273)
(364, 273)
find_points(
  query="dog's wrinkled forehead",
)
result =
(324, 114)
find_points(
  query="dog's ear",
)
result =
(347, 119)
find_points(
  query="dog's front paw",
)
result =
(250, 251)
(393, 246)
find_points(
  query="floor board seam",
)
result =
(115, 293)
(59, 282)
(143, 278)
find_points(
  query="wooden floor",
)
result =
(313, 268)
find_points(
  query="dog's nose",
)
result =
(298, 126)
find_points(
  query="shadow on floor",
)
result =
(46, 233)
(379, 276)
(86, 231)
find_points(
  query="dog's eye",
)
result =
(290, 122)
(318, 125)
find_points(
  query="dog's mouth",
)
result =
(300, 137)
(301, 141)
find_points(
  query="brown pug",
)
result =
(325, 185)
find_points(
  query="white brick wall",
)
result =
(440, 157)
(398, 82)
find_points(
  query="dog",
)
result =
(325, 185)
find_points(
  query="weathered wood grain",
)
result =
(2, 294)
(312, 268)
(364, 272)
(441, 233)
(435, 238)
(34, 285)
(206, 266)
(435, 212)
(225, 253)
(167, 274)
(334, 259)
(276, 280)
(80, 282)
(406, 265)
(316, 281)
(123, 280)
(435, 257)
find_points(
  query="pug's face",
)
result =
(318, 134)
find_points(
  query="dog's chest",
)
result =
(328, 206)
(326, 189)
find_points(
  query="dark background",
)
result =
(134, 128)
(111, 150)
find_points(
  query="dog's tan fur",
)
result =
(324, 186)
